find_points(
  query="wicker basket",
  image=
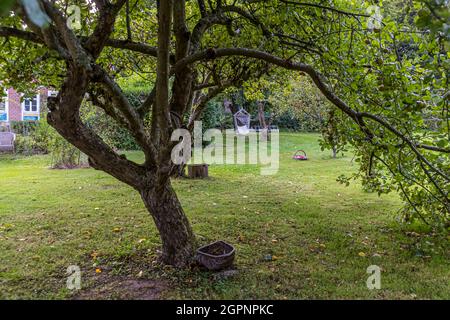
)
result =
(300, 155)
(216, 256)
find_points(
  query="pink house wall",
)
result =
(14, 105)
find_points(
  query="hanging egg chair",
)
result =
(242, 122)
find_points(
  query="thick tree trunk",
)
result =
(178, 171)
(178, 241)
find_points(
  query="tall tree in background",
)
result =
(194, 50)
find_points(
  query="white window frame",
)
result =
(6, 108)
(50, 93)
(38, 111)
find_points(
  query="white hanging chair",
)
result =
(244, 130)
(242, 122)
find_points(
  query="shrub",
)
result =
(26, 145)
(214, 116)
(287, 120)
(42, 135)
(64, 155)
(113, 134)
(35, 137)
(24, 128)
(32, 137)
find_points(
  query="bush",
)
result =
(287, 120)
(24, 128)
(113, 135)
(42, 135)
(26, 145)
(214, 116)
(107, 128)
(64, 155)
(39, 137)
(32, 137)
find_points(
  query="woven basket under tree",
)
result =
(216, 256)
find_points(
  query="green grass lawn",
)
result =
(321, 235)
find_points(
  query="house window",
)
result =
(30, 104)
(3, 109)
(31, 108)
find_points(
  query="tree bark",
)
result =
(178, 171)
(178, 241)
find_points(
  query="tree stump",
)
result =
(196, 171)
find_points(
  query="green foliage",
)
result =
(284, 117)
(289, 120)
(112, 133)
(63, 154)
(37, 137)
(45, 139)
(332, 134)
(26, 145)
(42, 135)
(32, 137)
(23, 127)
(300, 106)
(434, 15)
(5, 6)
(214, 116)
(107, 128)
